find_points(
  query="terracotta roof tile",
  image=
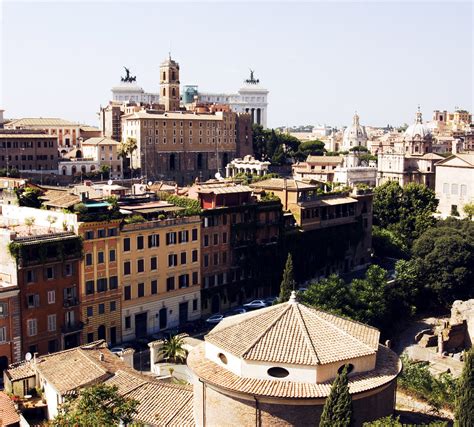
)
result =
(8, 413)
(294, 334)
(387, 368)
(19, 371)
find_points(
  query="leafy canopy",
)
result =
(100, 404)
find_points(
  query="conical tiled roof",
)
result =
(294, 333)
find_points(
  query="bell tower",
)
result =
(169, 84)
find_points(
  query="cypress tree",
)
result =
(337, 410)
(465, 393)
(287, 282)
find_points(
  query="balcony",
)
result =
(70, 302)
(70, 327)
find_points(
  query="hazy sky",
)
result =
(319, 60)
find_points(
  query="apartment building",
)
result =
(160, 275)
(10, 323)
(100, 293)
(28, 150)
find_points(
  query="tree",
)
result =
(127, 149)
(173, 349)
(51, 220)
(338, 407)
(468, 209)
(99, 405)
(29, 197)
(29, 222)
(330, 294)
(445, 255)
(288, 281)
(465, 393)
(307, 148)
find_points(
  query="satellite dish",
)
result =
(110, 182)
(150, 183)
(218, 175)
(28, 356)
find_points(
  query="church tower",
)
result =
(169, 84)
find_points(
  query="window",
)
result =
(195, 304)
(126, 244)
(90, 337)
(112, 231)
(89, 287)
(3, 309)
(171, 238)
(172, 260)
(224, 237)
(183, 281)
(350, 368)
(139, 243)
(194, 234)
(113, 305)
(51, 297)
(224, 256)
(184, 236)
(195, 278)
(50, 273)
(183, 257)
(463, 189)
(3, 334)
(89, 235)
(170, 284)
(88, 259)
(222, 358)
(154, 241)
(216, 239)
(206, 260)
(141, 290)
(206, 240)
(90, 311)
(128, 322)
(140, 266)
(100, 257)
(30, 276)
(154, 287)
(127, 293)
(454, 189)
(32, 327)
(216, 259)
(102, 284)
(68, 269)
(33, 300)
(51, 323)
(126, 267)
(153, 263)
(194, 255)
(101, 233)
(101, 309)
(112, 255)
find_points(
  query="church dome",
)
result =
(354, 135)
(417, 130)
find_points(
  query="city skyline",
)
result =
(320, 61)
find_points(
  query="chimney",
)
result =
(101, 356)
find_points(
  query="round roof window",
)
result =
(222, 358)
(350, 368)
(278, 372)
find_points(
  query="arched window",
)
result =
(83, 169)
(164, 91)
(79, 154)
(173, 92)
(73, 170)
(164, 76)
(278, 372)
(173, 75)
(172, 162)
(92, 168)
(64, 170)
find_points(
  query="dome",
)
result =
(355, 135)
(417, 130)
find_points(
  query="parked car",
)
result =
(270, 300)
(117, 350)
(234, 311)
(215, 319)
(255, 304)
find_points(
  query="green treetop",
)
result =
(337, 410)
(288, 281)
(465, 395)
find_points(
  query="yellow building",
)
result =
(159, 275)
(99, 281)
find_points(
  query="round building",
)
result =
(275, 366)
(354, 136)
